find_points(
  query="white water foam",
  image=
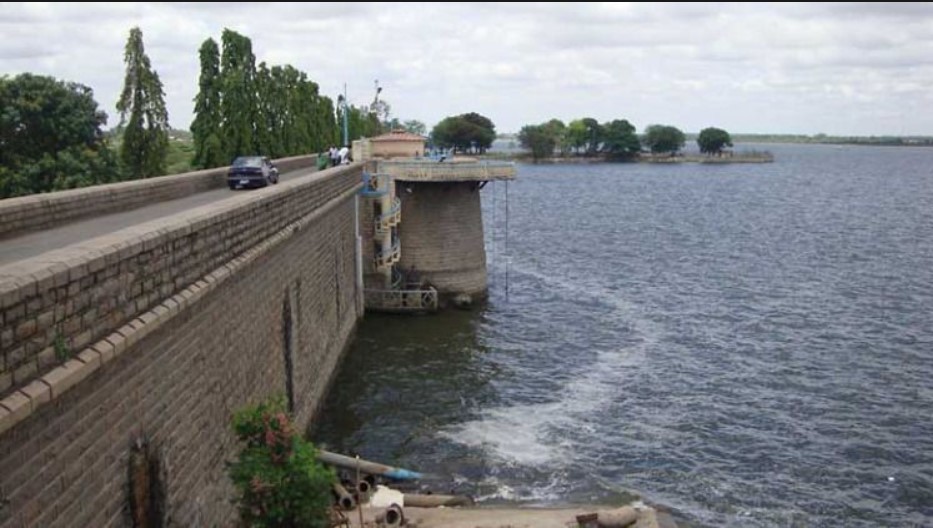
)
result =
(541, 434)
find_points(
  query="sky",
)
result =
(838, 69)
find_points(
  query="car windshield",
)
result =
(247, 162)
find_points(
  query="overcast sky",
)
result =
(845, 69)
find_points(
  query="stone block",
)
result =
(62, 378)
(38, 393)
(18, 407)
(25, 372)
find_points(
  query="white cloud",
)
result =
(802, 68)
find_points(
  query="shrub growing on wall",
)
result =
(278, 480)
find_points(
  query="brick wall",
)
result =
(42, 211)
(442, 235)
(57, 303)
(213, 345)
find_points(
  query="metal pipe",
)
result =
(393, 516)
(359, 256)
(346, 501)
(365, 466)
(363, 487)
(617, 518)
(433, 501)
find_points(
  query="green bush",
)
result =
(279, 482)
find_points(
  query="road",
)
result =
(38, 242)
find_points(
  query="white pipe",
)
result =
(359, 256)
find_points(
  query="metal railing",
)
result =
(375, 185)
(388, 256)
(390, 219)
(401, 300)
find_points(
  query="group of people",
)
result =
(339, 156)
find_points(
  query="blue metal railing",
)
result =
(375, 185)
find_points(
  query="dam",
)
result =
(138, 316)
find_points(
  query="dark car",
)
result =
(252, 171)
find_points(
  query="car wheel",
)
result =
(232, 186)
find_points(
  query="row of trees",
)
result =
(51, 136)
(616, 139)
(275, 111)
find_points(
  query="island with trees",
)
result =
(617, 140)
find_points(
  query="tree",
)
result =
(539, 139)
(238, 103)
(279, 482)
(50, 137)
(576, 135)
(594, 135)
(464, 132)
(484, 132)
(453, 132)
(363, 123)
(145, 136)
(557, 130)
(662, 138)
(206, 127)
(415, 127)
(619, 139)
(712, 140)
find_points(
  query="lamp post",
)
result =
(342, 105)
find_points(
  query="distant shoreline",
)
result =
(861, 141)
(739, 157)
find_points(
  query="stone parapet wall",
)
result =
(42, 211)
(265, 299)
(56, 304)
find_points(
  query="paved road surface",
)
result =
(38, 242)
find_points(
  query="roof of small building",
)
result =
(399, 135)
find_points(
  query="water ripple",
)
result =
(750, 345)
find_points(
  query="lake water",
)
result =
(749, 345)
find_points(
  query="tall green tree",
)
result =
(325, 119)
(145, 135)
(712, 140)
(269, 113)
(50, 137)
(663, 138)
(539, 139)
(238, 104)
(206, 127)
(620, 141)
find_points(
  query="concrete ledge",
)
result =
(433, 171)
(42, 211)
(19, 405)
